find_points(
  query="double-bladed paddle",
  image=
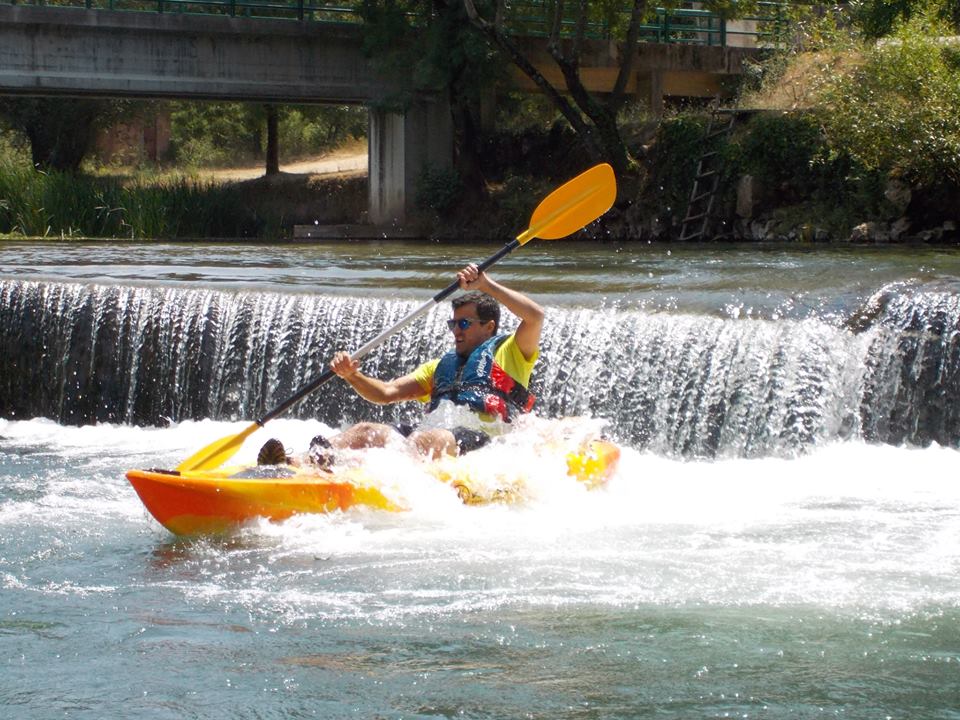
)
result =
(567, 209)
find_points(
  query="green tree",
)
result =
(430, 43)
(308, 129)
(898, 110)
(879, 18)
(592, 116)
(211, 133)
(221, 133)
(61, 131)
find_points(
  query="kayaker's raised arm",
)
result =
(373, 389)
(530, 313)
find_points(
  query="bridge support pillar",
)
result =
(400, 147)
(651, 84)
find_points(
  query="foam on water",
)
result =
(840, 528)
(855, 526)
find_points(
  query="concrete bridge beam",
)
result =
(73, 51)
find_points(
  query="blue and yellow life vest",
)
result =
(478, 382)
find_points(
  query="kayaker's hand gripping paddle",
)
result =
(567, 209)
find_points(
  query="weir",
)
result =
(677, 384)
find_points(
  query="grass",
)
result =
(796, 82)
(148, 201)
(62, 205)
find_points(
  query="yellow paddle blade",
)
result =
(217, 452)
(573, 205)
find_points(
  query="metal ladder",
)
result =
(707, 180)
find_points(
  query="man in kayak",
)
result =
(472, 390)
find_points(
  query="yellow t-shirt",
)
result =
(508, 356)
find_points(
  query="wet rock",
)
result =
(859, 234)
(748, 193)
(759, 230)
(933, 235)
(899, 228)
(874, 307)
(810, 234)
(657, 227)
(950, 231)
(899, 195)
(870, 232)
(864, 318)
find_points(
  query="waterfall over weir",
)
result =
(679, 384)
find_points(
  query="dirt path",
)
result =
(347, 161)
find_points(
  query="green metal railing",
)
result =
(764, 27)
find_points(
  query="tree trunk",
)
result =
(594, 119)
(273, 141)
(60, 133)
(467, 145)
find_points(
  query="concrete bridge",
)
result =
(104, 53)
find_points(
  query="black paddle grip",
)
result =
(502, 252)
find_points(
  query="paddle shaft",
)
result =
(362, 352)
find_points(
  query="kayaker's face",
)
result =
(466, 339)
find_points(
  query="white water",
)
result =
(849, 526)
(679, 384)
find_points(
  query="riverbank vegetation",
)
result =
(61, 204)
(128, 196)
(233, 134)
(848, 130)
(172, 205)
(861, 132)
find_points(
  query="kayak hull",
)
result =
(212, 502)
(215, 502)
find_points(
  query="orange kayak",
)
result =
(218, 501)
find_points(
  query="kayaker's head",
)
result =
(476, 318)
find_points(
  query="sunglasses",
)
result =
(462, 323)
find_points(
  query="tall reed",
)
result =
(55, 204)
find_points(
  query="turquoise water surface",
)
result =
(809, 582)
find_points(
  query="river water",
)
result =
(782, 539)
